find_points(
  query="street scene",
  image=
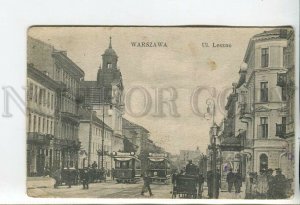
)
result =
(160, 112)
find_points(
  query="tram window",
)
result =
(124, 165)
(118, 164)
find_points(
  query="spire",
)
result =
(110, 42)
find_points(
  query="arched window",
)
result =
(263, 162)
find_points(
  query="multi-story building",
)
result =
(90, 136)
(68, 75)
(41, 98)
(263, 102)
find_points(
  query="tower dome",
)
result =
(110, 51)
(109, 58)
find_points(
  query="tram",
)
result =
(158, 167)
(127, 167)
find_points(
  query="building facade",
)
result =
(69, 76)
(90, 136)
(41, 102)
(264, 102)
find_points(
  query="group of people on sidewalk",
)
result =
(267, 186)
(73, 176)
(234, 179)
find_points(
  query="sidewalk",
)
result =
(226, 194)
(40, 182)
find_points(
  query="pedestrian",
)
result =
(191, 169)
(69, 177)
(262, 185)
(146, 186)
(270, 178)
(200, 184)
(230, 178)
(280, 185)
(57, 177)
(113, 173)
(94, 165)
(209, 180)
(85, 178)
(237, 181)
(218, 183)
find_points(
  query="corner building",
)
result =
(263, 102)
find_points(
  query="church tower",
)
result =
(110, 77)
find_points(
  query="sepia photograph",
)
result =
(160, 112)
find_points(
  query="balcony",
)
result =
(37, 138)
(281, 130)
(290, 128)
(281, 79)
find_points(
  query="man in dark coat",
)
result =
(210, 183)
(85, 178)
(237, 181)
(279, 185)
(69, 177)
(191, 169)
(218, 183)
(270, 178)
(146, 186)
(230, 179)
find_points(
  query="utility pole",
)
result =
(102, 129)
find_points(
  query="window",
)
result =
(41, 96)
(39, 124)
(109, 65)
(264, 57)
(30, 92)
(48, 127)
(264, 127)
(51, 128)
(29, 122)
(43, 125)
(263, 162)
(284, 93)
(34, 123)
(264, 91)
(52, 101)
(35, 93)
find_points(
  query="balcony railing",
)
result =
(290, 128)
(281, 130)
(38, 138)
(281, 79)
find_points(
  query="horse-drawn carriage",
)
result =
(188, 184)
(127, 167)
(69, 176)
(158, 168)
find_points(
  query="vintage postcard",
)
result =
(160, 112)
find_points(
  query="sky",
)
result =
(183, 66)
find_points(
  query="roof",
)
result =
(110, 51)
(85, 115)
(126, 124)
(278, 33)
(41, 77)
(64, 61)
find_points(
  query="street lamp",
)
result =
(213, 147)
